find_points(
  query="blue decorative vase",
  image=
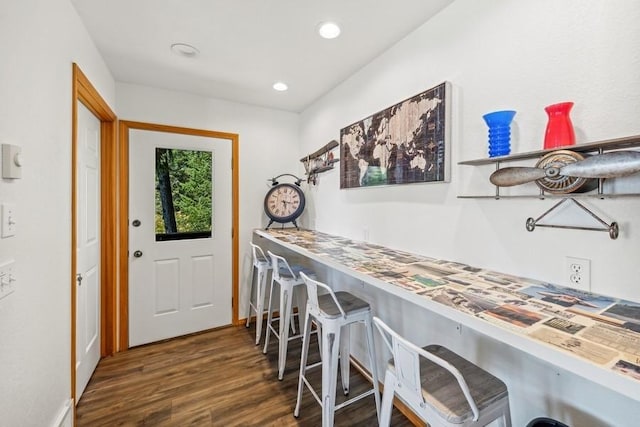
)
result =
(499, 123)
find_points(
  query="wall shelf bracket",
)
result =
(319, 161)
(612, 228)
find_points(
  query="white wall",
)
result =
(500, 54)
(39, 40)
(497, 55)
(268, 146)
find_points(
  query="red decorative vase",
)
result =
(559, 131)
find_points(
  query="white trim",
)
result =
(65, 417)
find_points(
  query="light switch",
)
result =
(11, 161)
(8, 219)
(7, 278)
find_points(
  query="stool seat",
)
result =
(350, 304)
(293, 272)
(260, 258)
(444, 393)
(440, 386)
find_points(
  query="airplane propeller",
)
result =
(608, 165)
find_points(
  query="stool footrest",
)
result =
(343, 404)
(277, 333)
(313, 365)
(354, 399)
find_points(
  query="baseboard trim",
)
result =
(65, 415)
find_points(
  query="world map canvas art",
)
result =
(405, 143)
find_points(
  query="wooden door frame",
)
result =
(83, 91)
(125, 126)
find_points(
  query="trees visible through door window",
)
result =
(183, 194)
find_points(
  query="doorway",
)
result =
(84, 93)
(88, 247)
(165, 288)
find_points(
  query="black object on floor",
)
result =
(545, 422)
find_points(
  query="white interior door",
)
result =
(180, 286)
(88, 248)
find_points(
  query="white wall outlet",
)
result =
(8, 220)
(578, 273)
(7, 278)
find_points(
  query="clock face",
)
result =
(284, 202)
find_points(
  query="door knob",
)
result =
(79, 279)
(137, 254)
(136, 223)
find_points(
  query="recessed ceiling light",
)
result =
(184, 49)
(280, 86)
(329, 30)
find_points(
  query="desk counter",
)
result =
(593, 336)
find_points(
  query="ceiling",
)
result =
(247, 45)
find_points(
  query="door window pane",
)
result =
(183, 194)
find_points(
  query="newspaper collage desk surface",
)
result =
(603, 330)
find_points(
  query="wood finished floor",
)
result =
(216, 378)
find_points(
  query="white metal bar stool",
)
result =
(261, 266)
(333, 311)
(440, 386)
(287, 277)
